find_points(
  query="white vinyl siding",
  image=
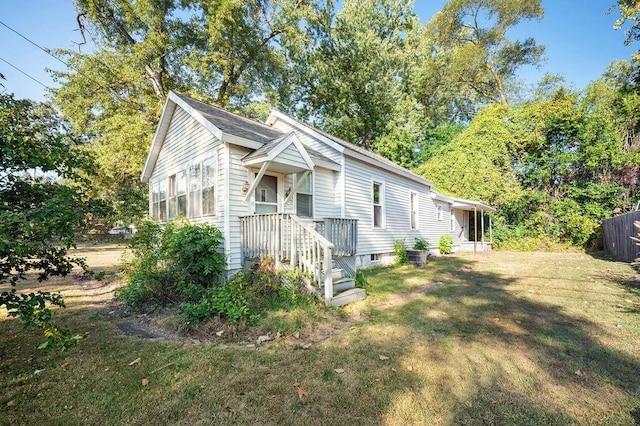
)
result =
(326, 194)
(186, 145)
(292, 157)
(309, 141)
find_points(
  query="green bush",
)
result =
(445, 245)
(172, 265)
(400, 251)
(421, 244)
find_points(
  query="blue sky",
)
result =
(579, 36)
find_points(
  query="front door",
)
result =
(266, 195)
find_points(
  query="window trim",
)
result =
(165, 181)
(203, 164)
(310, 179)
(279, 190)
(452, 217)
(414, 208)
(381, 204)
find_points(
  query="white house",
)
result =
(289, 191)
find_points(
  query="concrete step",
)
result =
(338, 274)
(343, 284)
(348, 296)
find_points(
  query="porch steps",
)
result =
(351, 295)
(344, 287)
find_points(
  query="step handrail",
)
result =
(312, 254)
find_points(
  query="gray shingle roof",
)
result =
(233, 124)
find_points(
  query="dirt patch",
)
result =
(402, 299)
(133, 327)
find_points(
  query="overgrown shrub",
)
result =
(445, 245)
(173, 265)
(400, 251)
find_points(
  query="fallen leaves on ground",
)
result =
(383, 357)
(135, 361)
(145, 382)
(302, 393)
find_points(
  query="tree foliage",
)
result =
(228, 52)
(469, 41)
(554, 166)
(39, 214)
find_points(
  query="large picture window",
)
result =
(178, 194)
(195, 195)
(208, 187)
(190, 192)
(378, 213)
(304, 196)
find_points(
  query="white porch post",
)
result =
(475, 228)
(482, 226)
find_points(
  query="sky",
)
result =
(578, 34)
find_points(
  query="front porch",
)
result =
(314, 248)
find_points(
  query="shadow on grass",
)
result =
(435, 334)
(477, 309)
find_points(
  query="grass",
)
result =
(502, 338)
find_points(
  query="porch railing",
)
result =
(342, 233)
(285, 237)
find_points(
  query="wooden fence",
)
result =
(617, 236)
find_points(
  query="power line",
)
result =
(32, 78)
(34, 43)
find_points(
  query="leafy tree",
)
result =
(226, 51)
(353, 68)
(39, 214)
(629, 11)
(469, 41)
(477, 163)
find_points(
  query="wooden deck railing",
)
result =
(284, 237)
(342, 233)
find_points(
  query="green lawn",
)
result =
(501, 338)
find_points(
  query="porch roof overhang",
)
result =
(287, 154)
(462, 204)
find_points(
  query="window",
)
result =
(266, 195)
(414, 210)
(439, 212)
(155, 201)
(452, 216)
(172, 197)
(162, 203)
(304, 196)
(378, 196)
(178, 194)
(195, 195)
(208, 187)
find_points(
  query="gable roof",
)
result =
(224, 125)
(347, 148)
(230, 123)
